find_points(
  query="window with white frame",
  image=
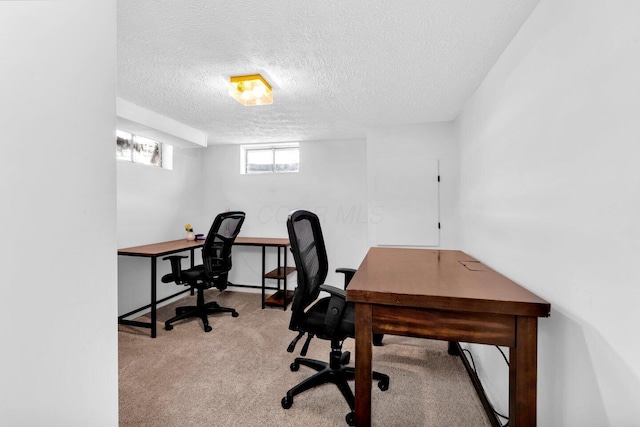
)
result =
(138, 149)
(269, 158)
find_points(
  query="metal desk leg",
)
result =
(279, 291)
(284, 250)
(153, 296)
(192, 290)
(263, 278)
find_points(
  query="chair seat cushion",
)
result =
(191, 276)
(193, 273)
(314, 319)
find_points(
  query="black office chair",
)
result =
(330, 318)
(214, 271)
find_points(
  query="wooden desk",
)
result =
(445, 295)
(156, 250)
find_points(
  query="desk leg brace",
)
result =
(523, 372)
(364, 317)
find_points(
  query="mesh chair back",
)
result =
(216, 252)
(310, 256)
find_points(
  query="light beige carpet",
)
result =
(237, 374)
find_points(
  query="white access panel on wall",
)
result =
(405, 206)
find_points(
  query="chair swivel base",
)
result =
(201, 310)
(338, 375)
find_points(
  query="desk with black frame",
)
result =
(282, 297)
(445, 295)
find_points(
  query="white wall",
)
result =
(58, 364)
(423, 141)
(550, 197)
(154, 204)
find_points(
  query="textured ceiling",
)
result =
(337, 66)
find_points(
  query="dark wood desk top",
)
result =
(162, 248)
(261, 241)
(439, 279)
(173, 246)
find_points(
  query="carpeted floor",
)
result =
(237, 374)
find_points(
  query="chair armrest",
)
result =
(335, 310)
(348, 275)
(176, 269)
(334, 291)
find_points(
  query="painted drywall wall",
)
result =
(58, 364)
(425, 141)
(550, 197)
(331, 182)
(154, 204)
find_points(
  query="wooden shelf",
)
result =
(276, 300)
(282, 297)
(279, 273)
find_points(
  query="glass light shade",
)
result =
(250, 90)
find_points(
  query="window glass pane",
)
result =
(123, 146)
(260, 160)
(267, 158)
(146, 151)
(287, 160)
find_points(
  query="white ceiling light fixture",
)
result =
(250, 90)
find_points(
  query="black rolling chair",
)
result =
(216, 263)
(330, 318)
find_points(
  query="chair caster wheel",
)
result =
(286, 402)
(350, 418)
(383, 385)
(294, 367)
(168, 327)
(234, 314)
(208, 328)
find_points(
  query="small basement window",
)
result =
(145, 151)
(272, 158)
